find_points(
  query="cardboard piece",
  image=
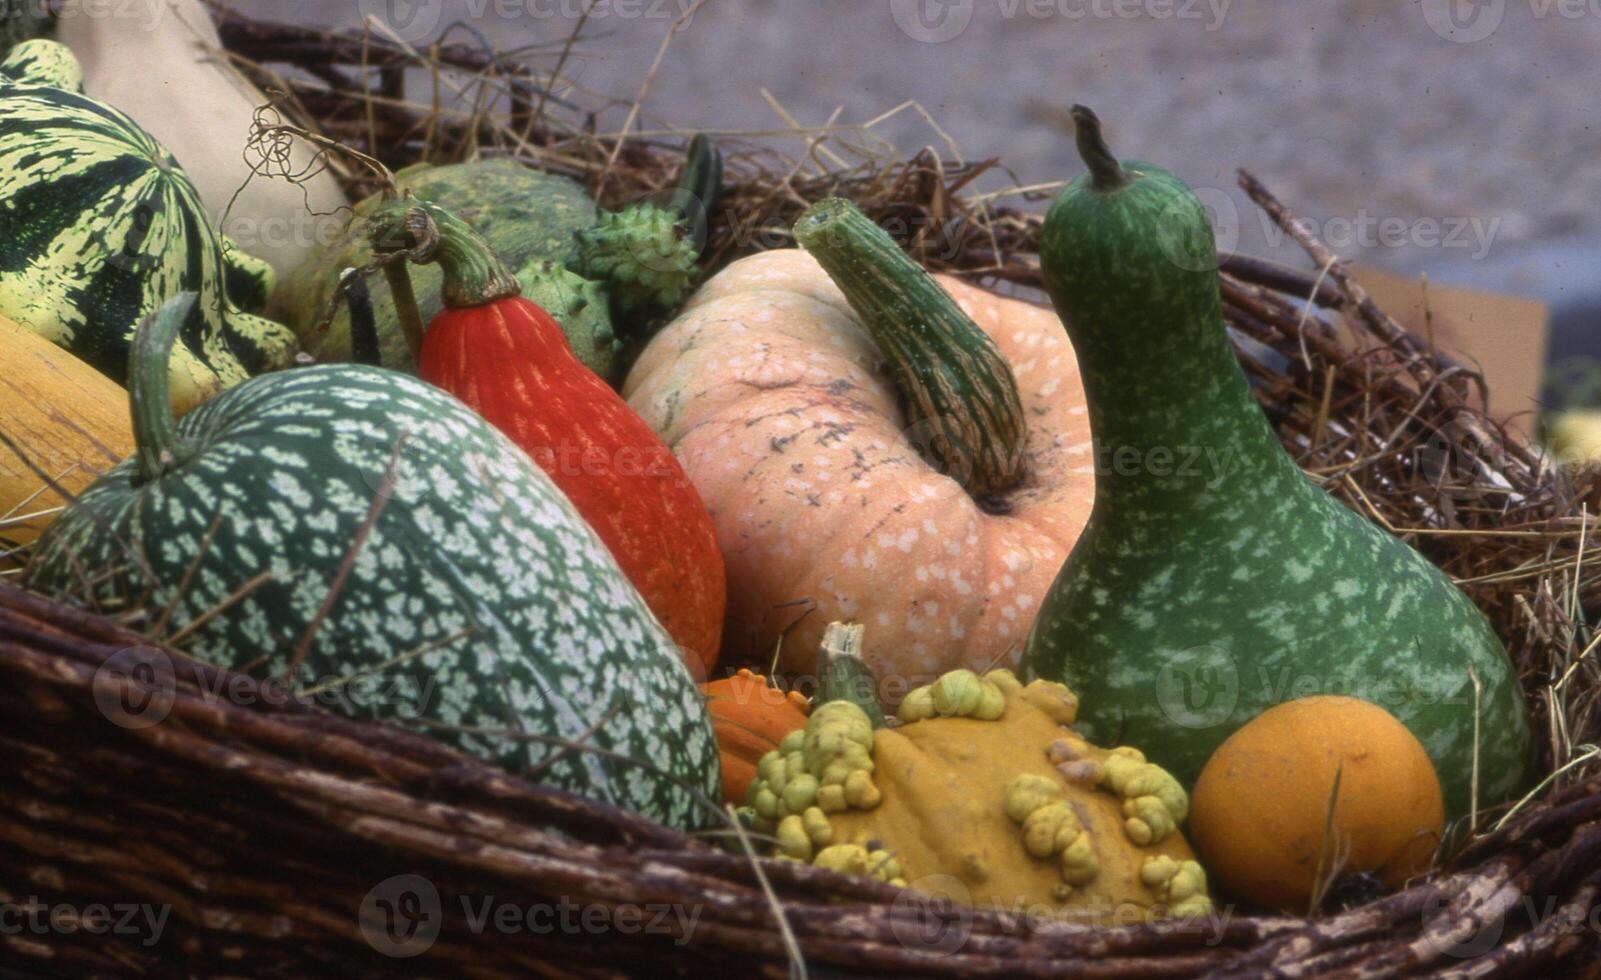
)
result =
(1503, 336)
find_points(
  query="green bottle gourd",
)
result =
(1215, 579)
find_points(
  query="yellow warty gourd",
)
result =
(983, 794)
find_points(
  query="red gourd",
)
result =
(508, 359)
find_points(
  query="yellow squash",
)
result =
(70, 420)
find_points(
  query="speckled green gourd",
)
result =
(1214, 578)
(533, 222)
(102, 226)
(481, 608)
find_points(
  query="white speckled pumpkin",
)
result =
(781, 408)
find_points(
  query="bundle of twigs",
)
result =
(285, 841)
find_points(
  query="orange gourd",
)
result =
(749, 717)
(1260, 808)
(786, 417)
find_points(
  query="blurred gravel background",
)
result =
(1458, 137)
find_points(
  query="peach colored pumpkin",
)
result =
(776, 400)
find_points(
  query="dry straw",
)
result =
(265, 826)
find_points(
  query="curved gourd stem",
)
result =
(427, 233)
(1106, 173)
(952, 378)
(159, 447)
(406, 309)
(843, 676)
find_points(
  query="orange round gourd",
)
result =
(749, 717)
(1259, 810)
(780, 406)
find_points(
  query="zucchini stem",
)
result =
(1106, 173)
(159, 447)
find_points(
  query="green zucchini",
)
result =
(1215, 579)
(950, 375)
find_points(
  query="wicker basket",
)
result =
(248, 834)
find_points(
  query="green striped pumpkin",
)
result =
(101, 226)
(480, 607)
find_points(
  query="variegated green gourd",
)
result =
(950, 376)
(102, 226)
(981, 792)
(1215, 579)
(478, 606)
(597, 273)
